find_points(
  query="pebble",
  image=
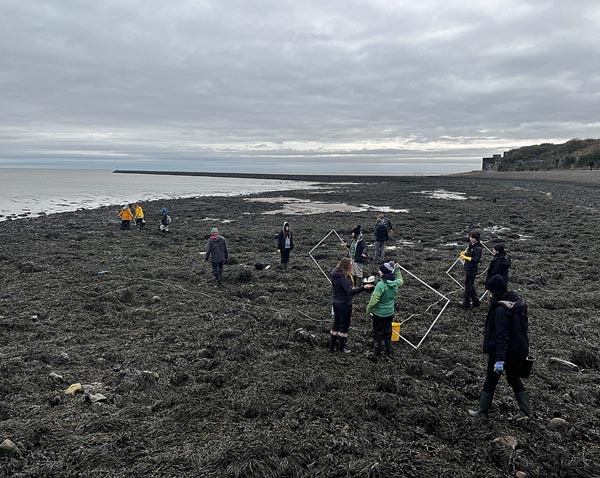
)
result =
(73, 389)
(33, 317)
(65, 356)
(7, 447)
(155, 298)
(152, 374)
(556, 424)
(57, 377)
(508, 441)
(520, 474)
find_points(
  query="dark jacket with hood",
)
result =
(382, 229)
(474, 252)
(216, 249)
(341, 287)
(506, 328)
(281, 238)
(361, 248)
(499, 265)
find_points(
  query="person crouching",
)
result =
(342, 291)
(381, 306)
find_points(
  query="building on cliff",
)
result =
(491, 164)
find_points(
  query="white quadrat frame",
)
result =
(442, 296)
(462, 286)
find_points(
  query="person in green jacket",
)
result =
(381, 306)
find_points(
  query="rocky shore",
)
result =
(177, 378)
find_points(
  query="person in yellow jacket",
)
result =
(139, 215)
(126, 217)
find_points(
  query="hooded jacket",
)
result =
(341, 288)
(125, 215)
(358, 247)
(474, 252)
(382, 299)
(382, 229)
(499, 265)
(216, 249)
(506, 328)
(281, 238)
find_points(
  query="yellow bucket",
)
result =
(395, 331)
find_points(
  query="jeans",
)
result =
(217, 268)
(379, 251)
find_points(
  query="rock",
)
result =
(57, 377)
(155, 298)
(65, 356)
(34, 317)
(7, 447)
(556, 424)
(152, 374)
(73, 389)
(563, 365)
(507, 441)
(520, 474)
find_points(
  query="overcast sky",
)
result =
(222, 85)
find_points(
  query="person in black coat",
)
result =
(342, 291)
(471, 257)
(506, 341)
(499, 265)
(285, 244)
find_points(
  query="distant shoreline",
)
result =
(286, 176)
(571, 176)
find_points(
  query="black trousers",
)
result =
(492, 378)
(341, 319)
(382, 328)
(217, 268)
(470, 292)
(285, 256)
(124, 225)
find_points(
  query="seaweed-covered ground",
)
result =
(237, 382)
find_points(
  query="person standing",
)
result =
(126, 217)
(358, 254)
(342, 291)
(383, 227)
(471, 258)
(216, 253)
(506, 341)
(285, 244)
(139, 215)
(381, 306)
(165, 220)
(500, 263)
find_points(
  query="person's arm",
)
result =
(476, 255)
(225, 249)
(375, 298)
(208, 249)
(502, 326)
(398, 274)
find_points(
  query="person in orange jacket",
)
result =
(139, 215)
(126, 217)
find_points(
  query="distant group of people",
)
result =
(137, 217)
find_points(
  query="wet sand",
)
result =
(238, 382)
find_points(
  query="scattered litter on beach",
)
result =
(444, 194)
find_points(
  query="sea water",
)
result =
(31, 192)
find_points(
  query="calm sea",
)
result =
(29, 192)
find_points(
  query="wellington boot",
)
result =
(342, 347)
(524, 404)
(485, 402)
(377, 348)
(387, 344)
(332, 342)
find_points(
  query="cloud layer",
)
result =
(147, 81)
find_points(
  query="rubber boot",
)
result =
(523, 402)
(332, 342)
(485, 402)
(342, 347)
(377, 348)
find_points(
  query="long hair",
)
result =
(345, 265)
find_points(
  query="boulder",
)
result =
(556, 424)
(7, 447)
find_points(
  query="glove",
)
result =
(278, 251)
(499, 367)
(465, 258)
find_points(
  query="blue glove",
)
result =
(499, 367)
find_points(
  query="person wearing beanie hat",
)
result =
(285, 244)
(217, 254)
(381, 306)
(342, 291)
(126, 217)
(506, 341)
(471, 258)
(383, 227)
(358, 251)
(165, 220)
(500, 263)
